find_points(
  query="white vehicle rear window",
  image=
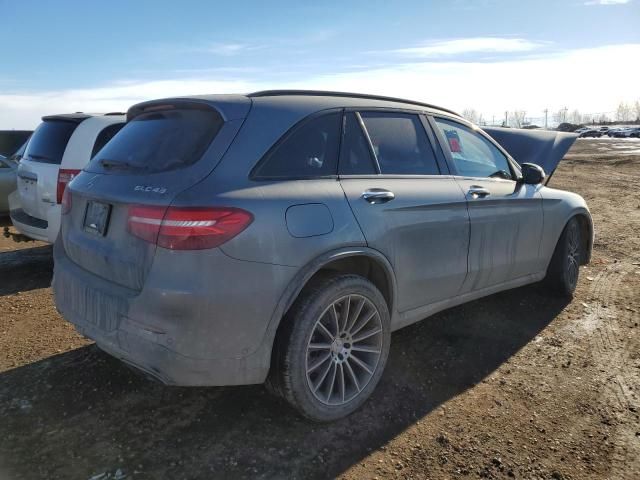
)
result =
(48, 142)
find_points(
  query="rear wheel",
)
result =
(332, 347)
(564, 268)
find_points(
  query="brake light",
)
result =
(187, 228)
(65, 175)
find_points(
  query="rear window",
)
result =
(161, 140)
(48, 142)
(12, 140)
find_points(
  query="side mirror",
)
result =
(532, 174)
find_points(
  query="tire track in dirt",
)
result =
(607, 323)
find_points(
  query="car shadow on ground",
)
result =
(82, 413)
(25, 269)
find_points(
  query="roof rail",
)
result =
(115, 113)
(319, 93)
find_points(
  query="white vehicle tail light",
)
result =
(65, 175)
(187, 228)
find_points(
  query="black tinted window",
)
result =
(311, 150)
(16, 157)
(104, 136)
(12, 140)
(472, 154)
(48, 142)
(161, 140)
(355, 156)
(400, 143)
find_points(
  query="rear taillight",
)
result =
(65, 204)
(187, 228)
(65, 175)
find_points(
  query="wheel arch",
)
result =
(364, 261)
(586, 232)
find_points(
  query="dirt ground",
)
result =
(517, 385)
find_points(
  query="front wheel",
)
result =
(564, 268)
(332, 348)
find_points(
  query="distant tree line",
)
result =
(626, 112)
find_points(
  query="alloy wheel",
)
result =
(344, 350)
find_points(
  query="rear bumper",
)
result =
(45, 230)
(173, 331)
(32, 227)
(169, 367)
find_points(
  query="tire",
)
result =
(330, 389)
(564, 268)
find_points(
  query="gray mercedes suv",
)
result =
(281, 236)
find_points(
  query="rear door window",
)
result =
(471, 153)
(104, 136)
(309, 151)
(49, 141)
(400, 143)
(161, 140)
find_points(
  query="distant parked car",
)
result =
(7, 182)
(8, 169)
(612, 131)
(622, 133)
(58, 149)
(629, 132)
(283, 235)
(568, 127)
(591, 132)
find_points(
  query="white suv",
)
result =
(60, 147)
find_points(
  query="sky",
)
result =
(489, 55)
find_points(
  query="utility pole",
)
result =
(546, 111)
(506, 118)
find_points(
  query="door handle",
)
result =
(378, 195)
(476, 191)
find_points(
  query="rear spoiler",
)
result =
(542, 147)
(77, 117)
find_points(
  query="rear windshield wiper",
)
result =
(106, 163)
